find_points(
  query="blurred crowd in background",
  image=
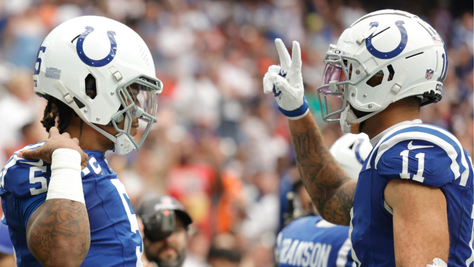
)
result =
(220, 145)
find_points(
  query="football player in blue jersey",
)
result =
(412, 204)
(62, 202)
(311, 240)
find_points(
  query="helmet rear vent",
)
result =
(144, 55)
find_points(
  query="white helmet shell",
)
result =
(350, 151)
(117, 58)
(381, 58)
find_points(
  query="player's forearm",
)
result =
(58, 233)
(326, 182)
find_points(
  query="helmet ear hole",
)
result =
(376, 79)
(391, 72)
(91, 88)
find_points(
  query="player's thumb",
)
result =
(84, 160)
(267, 83)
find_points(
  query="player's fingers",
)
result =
(53, 131)
(285, 59)
(296, 62)
(75, 140)
(84, 159)
(267, 83)
(274, 68)
(282, 84)
(29, 154)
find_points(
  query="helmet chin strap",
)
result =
(122, 144)
(343, 121)
(349, 121)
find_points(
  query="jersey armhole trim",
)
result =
(387, 207)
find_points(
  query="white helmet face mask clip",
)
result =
(118, 62)
(385, 56)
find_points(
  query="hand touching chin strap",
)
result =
(286, 82)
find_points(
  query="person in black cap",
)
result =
(165, 224)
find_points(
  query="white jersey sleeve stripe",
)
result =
(13, 161)
(343, 253)
(369, 158)
(465, 174)
(351, 227)
(10, 163)
(470, 260)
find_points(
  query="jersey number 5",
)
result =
(40, 179)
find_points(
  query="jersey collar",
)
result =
(377, 138)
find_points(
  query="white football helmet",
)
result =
(350, 151)
(116, 59)
(381, 58)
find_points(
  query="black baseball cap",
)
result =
(150, 207)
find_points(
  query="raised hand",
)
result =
(286, 82)
(55, 141)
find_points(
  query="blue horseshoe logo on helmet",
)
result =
(395, 52)
(91, 62)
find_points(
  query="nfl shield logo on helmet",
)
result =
(429, 74)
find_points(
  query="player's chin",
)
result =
(134, 131)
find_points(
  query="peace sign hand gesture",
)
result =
(286, 82)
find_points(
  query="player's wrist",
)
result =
(297, 113)
(66, 181)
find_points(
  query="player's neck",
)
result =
(89, 138)
(395, 113)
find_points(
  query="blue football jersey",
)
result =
(425, 154)
(6, 246)
(311, 241)
(115, 238)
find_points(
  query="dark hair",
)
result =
(231, 255)
(56, 109)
